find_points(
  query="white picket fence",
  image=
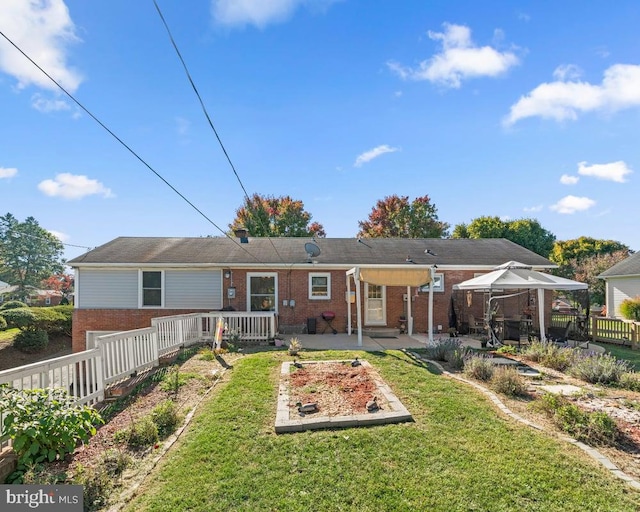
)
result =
(118, 356)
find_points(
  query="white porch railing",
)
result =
(86, 375)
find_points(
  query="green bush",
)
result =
(3, 323)
(630, 381)
(22, 318)
(54, 320)
(593, 428)
(31, 340)
(96, 486)
(115, 461)
(456, 358)
(44, 424)
(479, 367)
(12, 304)
(549, 354)
(166, 417)
(442, 348)
(599, 368)
(630, 309)
(142, 434)
(508, 381)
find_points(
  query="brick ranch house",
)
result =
(125, 283)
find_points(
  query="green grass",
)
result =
(9, 334)
(625, 353)
(460, 454)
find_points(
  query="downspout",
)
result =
(430, 326)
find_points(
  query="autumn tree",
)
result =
(62, 283)
(268, 216)
(525, 232)
(567, 251)
(587, 270)
(28, 253)
(396, 217)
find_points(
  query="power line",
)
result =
(206, 113)
(122, 142)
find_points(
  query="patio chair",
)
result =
(475, 326)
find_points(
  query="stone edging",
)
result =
(592, 452)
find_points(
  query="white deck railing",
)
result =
(86, 375)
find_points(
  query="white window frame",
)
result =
(326, 296)
(141, 304)
(275, 287)
(438, 286)
(47, 301)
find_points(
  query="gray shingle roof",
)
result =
(627, 267)
(333, 251)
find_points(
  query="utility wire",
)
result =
(206, 113)
(123, 143)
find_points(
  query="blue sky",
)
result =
(515, 109)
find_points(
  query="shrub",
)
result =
(142, 434)
(96, 486)
(479, 367)
(630, 309)
(115, 461)
(38, 474)
(549, 354)
(54, 320)
(599, 368)
(44, 424)
(508, 381)
(507, 349)
(456, 358)
(12, 304)
(630, 381)
(166, 417)
(3, 323)
(22, 318)
(594, 428)
(31, 340)
(442, 348)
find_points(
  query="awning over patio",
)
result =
(397, 275)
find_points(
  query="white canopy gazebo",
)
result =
(397, 275)
(518, 276)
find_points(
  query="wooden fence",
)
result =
(600, 328)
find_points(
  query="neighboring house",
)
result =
(622, 281)
(40, 298)
(125, 283)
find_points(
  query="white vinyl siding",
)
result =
(107, 289)
(120, 289)
(621, 289)
(186, 289)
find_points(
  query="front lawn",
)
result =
(459, 454)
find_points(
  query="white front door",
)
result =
(375, 311)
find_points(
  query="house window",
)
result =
(262, 295)
(47, 301)
(152, 289)
(319, 286)
(438, 284)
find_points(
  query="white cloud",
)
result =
(8, 172)
(560, 100)
(43, 30)
(70, 186)
(39, 102)
(615, 171)
(459, 59)
(259, 12)
(573, 204)
(567, 72)
(367, 156)
(537, 208)
(565, 179)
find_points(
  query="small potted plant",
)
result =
(278, 341)
(484, 340)
(294, 346)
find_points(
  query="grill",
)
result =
(328, 317)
